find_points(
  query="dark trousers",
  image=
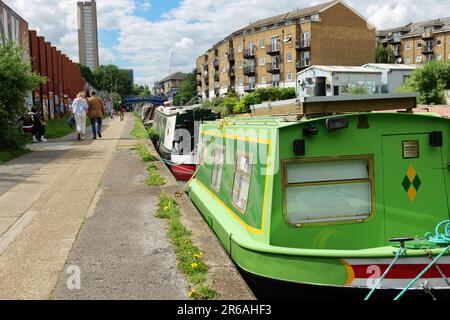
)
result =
(38, 130)
(96, 128)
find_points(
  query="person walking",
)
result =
(122, 113)
(96, 112)
(79, 109)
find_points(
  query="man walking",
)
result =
(96, 112)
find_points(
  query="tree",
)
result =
(188, 90)
(358, 90)
(112, 79)
(384, 54)
(86, 73)
(430, 81)
(16, 83)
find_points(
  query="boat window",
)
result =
(331, 190)
(216, 177)
(241, 187)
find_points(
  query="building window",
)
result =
(408, 60)
(418, 59)
(241, 64)
(439, 57)
(263, 79)
(315, 17)
(241, 81)
(216, 177)
(262, 44)
(241, 186)
(289, 57)
(408, 46)
(439, 43)
(419, 45)
(289, 76)
(288, 38)
(262, 61)
(240, 48)
(328, 190)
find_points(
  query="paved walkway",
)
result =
(86, 196)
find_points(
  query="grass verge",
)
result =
(10, 154)
(58, 128)
(154, 178)
(145, 155)
(190, 259)
(138, 131)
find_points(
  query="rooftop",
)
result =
(352, 69)
(391, 66)
(418, 28)
(175, 76)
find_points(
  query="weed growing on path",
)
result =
(154, 178)
(190, 259)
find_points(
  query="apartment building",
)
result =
(88, 34)
(170, 85)
(419, 42)
(270, 52)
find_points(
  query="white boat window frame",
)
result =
(219, 167)
(248, 174)
(341, 219)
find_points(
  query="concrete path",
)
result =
(122, 251)
(45, 198)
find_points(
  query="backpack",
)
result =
(28, 123)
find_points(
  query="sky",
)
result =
(143, 34)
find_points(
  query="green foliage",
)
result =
(187, 94)
(384, 55)
(16, 83)
(112, 79)
(86, 73)
(430, 81)
(190, 259)
(358, 90)
(116, 99)
(10, 154)
(145, 154)
(154, 178)
(153, 134)
(138, 131)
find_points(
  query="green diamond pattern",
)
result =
(416, 183)
(406, 183)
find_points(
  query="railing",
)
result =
(273, 50)
(249, 71)
(275, 83)
(249, 87)
(232, 73)
(427, 35)
(303, 63)
(271, 68)
(427, 49)
(216, 77)
(216, 63)
(249, 54)
(303, 44)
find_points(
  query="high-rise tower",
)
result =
(87, 34)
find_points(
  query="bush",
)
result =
(430, 81)
(153, 134)
(358, 90)
(16, 83)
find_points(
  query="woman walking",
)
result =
(79, 109)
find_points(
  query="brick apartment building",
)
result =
(169, 86)
(271, 51)
(418, 42)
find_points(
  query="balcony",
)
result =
(275, 84)
(207, 93)
(216, 92)
(216, 63)
(205, 75)
(249, 71)
(273, 50)
(216, 76)
(427, 50)
(249, 54)
(427, 35)
(249, 87)
(231, 57)
(198, 72)
(199, 83)
(206, 81)
(302, 45)
(205, 68)
(302, 64)
(232, 73)
(273, 69)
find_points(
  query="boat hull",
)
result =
(183, 172)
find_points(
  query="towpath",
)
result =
(76, 223)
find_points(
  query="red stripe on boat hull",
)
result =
(183, 172)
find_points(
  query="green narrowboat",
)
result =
(331, 195)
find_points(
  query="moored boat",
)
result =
(178, 128)
(319, 199)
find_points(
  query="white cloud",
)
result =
(191, 28)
